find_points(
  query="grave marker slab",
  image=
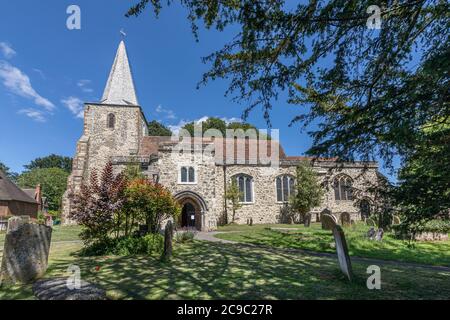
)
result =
(342, 252)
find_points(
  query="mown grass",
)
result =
(316, 239)
(205, 270)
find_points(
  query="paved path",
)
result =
(210, 236)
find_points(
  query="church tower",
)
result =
(113, 127)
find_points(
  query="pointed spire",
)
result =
(120, 87)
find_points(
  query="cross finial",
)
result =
(123, 33)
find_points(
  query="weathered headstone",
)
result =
(329, 221)
(168, 237)
(14, 223)
(345, 218)
(251, 222)
(57, 289)
(307, 221)
(379, 235)
(25, 254)
(396, 220)
(371, 233)
(342, 252)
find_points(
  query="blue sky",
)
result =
(48, 71)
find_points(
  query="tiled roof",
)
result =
(10, 192)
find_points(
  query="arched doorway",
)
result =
(364, 207)
(193, 210)
(188, 216)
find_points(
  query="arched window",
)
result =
(285, 188)
(245, 184)
(187, 175)
(365, 209)
(343, 188)
(111, 121)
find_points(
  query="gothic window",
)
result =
(187, 175)
(343, 188)
(111, 121)
(245, 184)
(285, 188)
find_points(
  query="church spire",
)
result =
(120, 87)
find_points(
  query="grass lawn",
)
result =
(316, 239)
(205, 270)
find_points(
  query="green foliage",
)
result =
(11, 175)
(424, 182)
(151, 244)
(133, 171)
(52, 180)
(222, 126)
(308, 190)
(149, 203)
(185, 236)
(51, 161)
(232, 197)
(156, 128)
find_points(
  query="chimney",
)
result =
(38, 196)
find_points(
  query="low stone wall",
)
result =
(432, 236)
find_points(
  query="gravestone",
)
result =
(345, 219)
(14, 223)
(371, 233)
(251, 222)
(329, 221)
(25, 254)
(168, 237)
(57, 289)
(379, 235)
(396, 220)
(342, 252)
(307, 221)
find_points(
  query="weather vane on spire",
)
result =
(123, 33)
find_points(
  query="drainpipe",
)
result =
(225, 192)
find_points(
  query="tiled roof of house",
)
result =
(10, 192)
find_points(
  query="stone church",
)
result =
(115, 129)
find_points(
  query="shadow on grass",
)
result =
(204, 270)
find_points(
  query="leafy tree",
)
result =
(149, 202)
(158, 129)
(369, 90)
(51, 161)
(97, 204)
(52, 180)
(233, 196)
(424, 191)
(308, 191)
(11, 175)
(210, 123)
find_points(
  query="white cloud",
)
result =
(75, 105)
(7, 51)
(84, 85)
(36, 115)
(169, 114)
(19, 83)
(40, 72)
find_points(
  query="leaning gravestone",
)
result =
(371, 233)
(340, 243)
(342, 252)
(345, 219)
(168, 237)
(329, 221)
(307, 221)
(379, 234)
(25, 254)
